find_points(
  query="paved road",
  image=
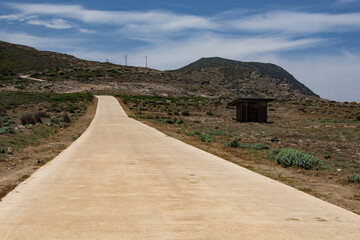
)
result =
(124, 180)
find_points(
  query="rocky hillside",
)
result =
(205, 77)
(248, 78)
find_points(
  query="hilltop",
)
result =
(216, 77)
(248, 78)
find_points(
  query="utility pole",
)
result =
(126, 60)
(146, 58)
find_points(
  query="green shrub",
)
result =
(354, 178)
(246, 145)
(358, 117)
(292, 157)
(233, 143)
(206, 138)
(5, 119)
(4, 130)
(75, 97)
(193, 133)
(259, 146)
(275, 151)
(57, 120)
(49, 123)
(218, 133)
(3, 150)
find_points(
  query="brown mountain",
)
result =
(205, 77)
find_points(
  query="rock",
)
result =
(9, 150)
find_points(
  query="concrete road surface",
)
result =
(124, 180)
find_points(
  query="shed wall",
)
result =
(251, 112)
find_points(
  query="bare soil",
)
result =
(321, 130)
(22, 163)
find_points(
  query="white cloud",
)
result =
(84, 30)
(54, 23)
(16, 17)
(149, 23)
(298, 22)
(176, 54)
(44, 43)
(335, 77)
(157, 20)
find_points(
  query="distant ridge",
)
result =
(266, 69)
(215, 77)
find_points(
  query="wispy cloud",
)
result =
(54, 23)
(16, 17)
(168, 22)
(39, 42)
(297, 22)
(156, 19)
(174, 54)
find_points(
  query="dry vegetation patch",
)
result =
(323, 137)
(35, 127)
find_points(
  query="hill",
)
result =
(244, 77)
(205, 77)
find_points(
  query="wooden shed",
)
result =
(251, 109)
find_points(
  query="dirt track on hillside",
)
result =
(124, 180)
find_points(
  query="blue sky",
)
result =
(316, 41)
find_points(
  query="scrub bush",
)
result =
(259, 146)
(233, 143)
(206, 138)
(4, 130)
(292, 157)
(354, 178)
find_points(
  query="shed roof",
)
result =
(242, 100)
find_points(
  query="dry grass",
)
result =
(328, 130)
(34, 145)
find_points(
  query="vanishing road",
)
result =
(124, 180)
